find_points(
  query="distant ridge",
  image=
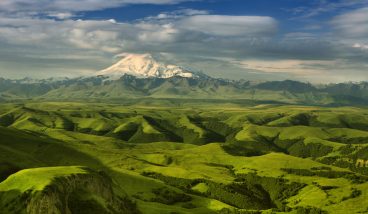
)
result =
(143, 76)
(179, 87)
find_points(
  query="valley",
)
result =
(176, 158)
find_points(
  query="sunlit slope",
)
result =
(62, 190)
(204, 160)
(21, 150)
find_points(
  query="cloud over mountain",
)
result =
(44, 34)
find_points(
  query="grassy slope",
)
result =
(125, 162)
(67, 189)
(37, 179)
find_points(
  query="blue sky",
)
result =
(309, 40)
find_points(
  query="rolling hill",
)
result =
(145, 137)
(211, 159)
(102, 88)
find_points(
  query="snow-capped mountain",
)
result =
(144, 65)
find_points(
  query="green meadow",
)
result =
(167, 157)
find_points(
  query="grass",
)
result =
(37, 179)
(127, 142)
(74, 189)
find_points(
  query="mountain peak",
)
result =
(144, 65)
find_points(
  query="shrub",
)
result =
(169, 197)
(354, 194)
(309, 210)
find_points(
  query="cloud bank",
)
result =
(49, 37)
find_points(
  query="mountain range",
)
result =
(143, 137)
(141, 76)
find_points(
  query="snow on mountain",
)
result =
(144, 65)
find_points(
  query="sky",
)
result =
(318, 41)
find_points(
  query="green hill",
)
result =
(62, 190)
(131, 87)
(227, 158)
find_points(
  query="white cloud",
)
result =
(352, 24)
(157, 33)
(59, 15)
(112, 21)
(299, 36)
(324, 6)
(360, 46)
(177, 14)
(96, 39)
(219, 25)
(49, 34)
(291, 66)
(24, 30)
(35, 37)
(187, 32)
(337, 70)
(112, 36)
